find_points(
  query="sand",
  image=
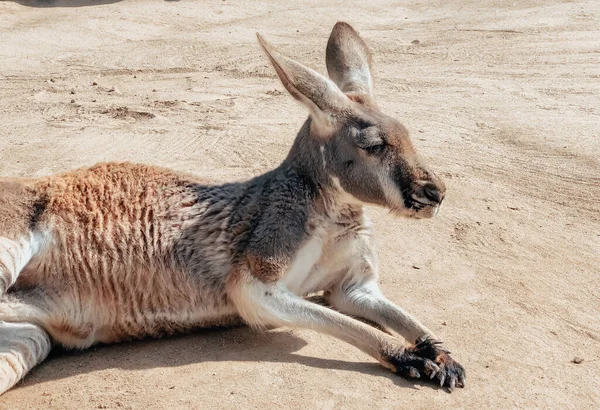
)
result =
(501, 97)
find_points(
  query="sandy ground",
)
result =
(502, 97)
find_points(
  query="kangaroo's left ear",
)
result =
(349, 60)
(317, 92)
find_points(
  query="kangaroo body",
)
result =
(122, 251)
(140, 251)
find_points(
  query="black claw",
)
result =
(450, 373)
(407, 364)
(414, 372)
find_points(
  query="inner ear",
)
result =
(317, 92)
(349, 60)
(359, 98)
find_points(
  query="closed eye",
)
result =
(374, 149)
(371, 140)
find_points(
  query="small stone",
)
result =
(577, 360)
(93, 100)
(154, 90)
(94, 83)
(52, 80)
(72, 101)
(444, 323)
(415, 42)
(72, 91)
(416, 267)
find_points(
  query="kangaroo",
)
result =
(122, 251)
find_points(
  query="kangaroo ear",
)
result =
(349, 60)
(317, 92)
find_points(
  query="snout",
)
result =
(429, 193)
(422, 193)
(426, 194)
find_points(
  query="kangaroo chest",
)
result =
(326, 257)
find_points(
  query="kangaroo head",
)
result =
(357, 148)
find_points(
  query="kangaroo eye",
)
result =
(371, 140)
(374, 149)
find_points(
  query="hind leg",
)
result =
(25, 306)
(23, 341)
(22, 346)
(67, 323)
(30, 322)
(14, 255)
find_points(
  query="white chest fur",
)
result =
(329, 255)
(303, 265)
(332, 249)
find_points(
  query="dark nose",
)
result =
(433, 193)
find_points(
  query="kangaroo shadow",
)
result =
(212, 345)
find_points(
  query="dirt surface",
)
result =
(502, 97)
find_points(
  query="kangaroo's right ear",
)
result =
(349, 60)
(317, 92)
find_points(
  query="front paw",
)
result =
(450, 373)
(408, 365)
